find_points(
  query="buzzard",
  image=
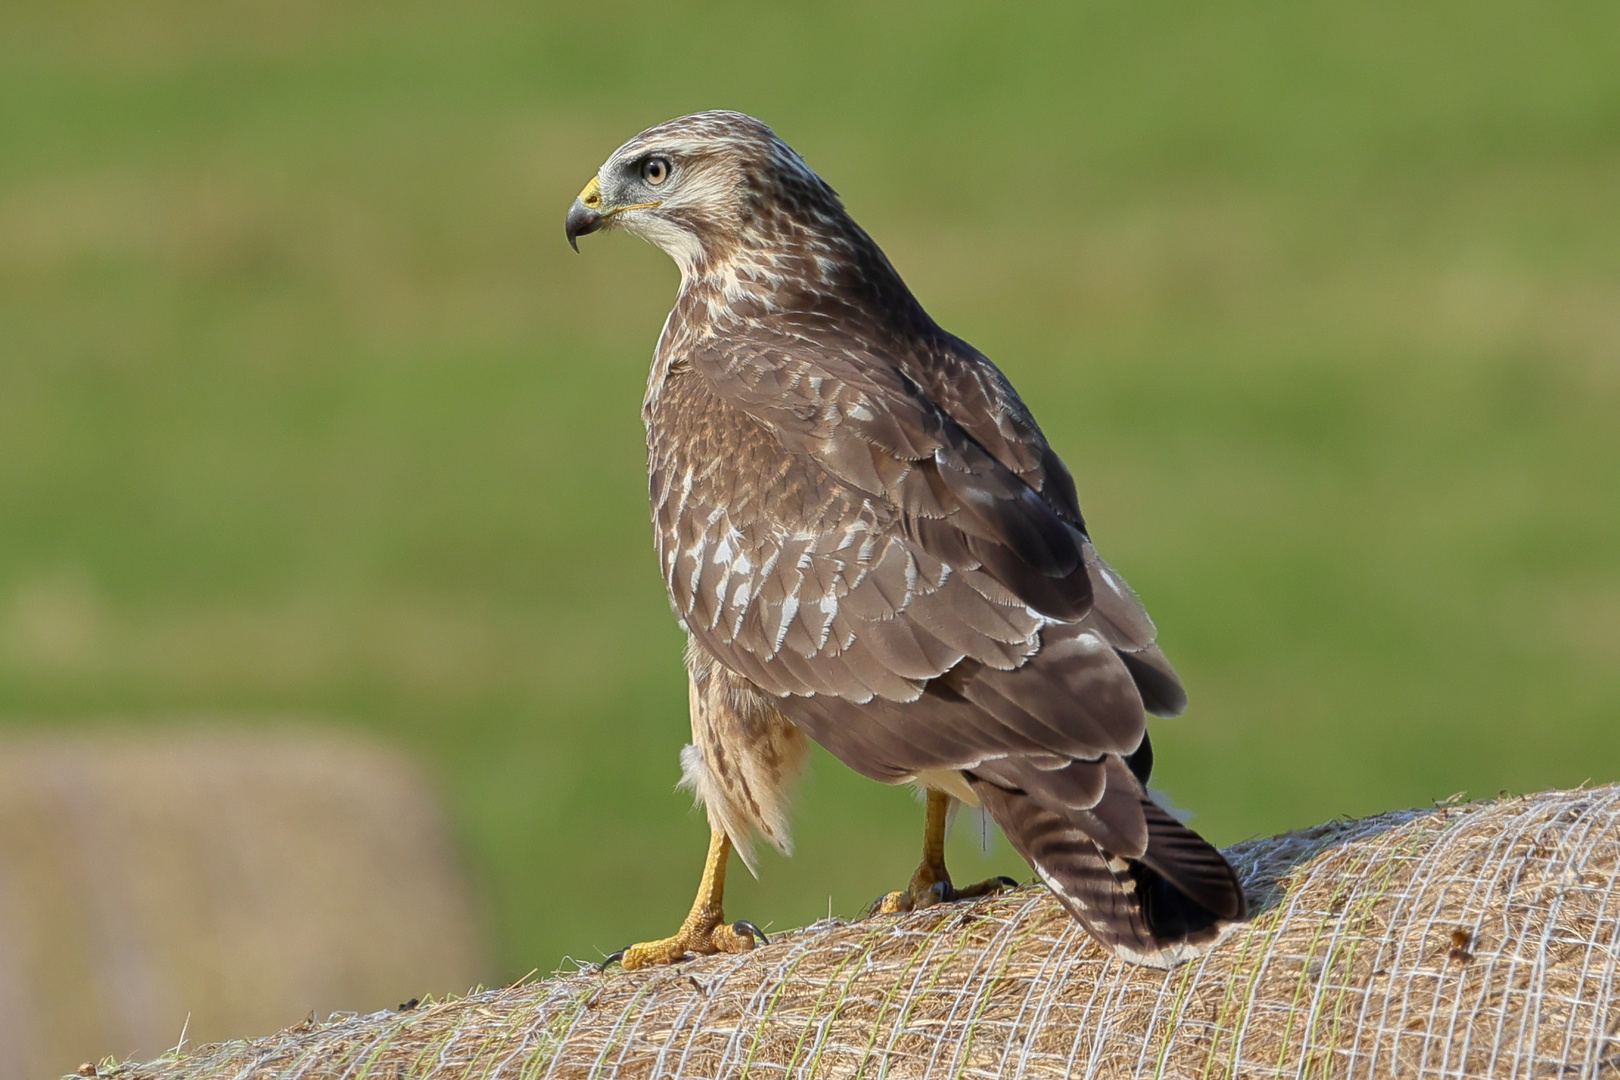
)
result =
(869, 542)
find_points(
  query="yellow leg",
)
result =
(931, 884)
(705, 930)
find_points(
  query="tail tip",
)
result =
(1174, 952)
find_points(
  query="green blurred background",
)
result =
(307, 410)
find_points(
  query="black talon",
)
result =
(1007, 881)
(743, 925)
(614, 957)
(942, 891)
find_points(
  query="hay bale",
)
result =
(1465, 941)
(238, 878)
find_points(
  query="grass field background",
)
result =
(307, 411)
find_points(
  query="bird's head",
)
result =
(702, 186)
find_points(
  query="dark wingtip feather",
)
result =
(1065, 596)
(1162, 693)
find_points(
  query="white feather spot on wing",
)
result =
(697, 552)
(723, 550)
(828, 606)
(790, 611)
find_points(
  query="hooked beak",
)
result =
(587, 214)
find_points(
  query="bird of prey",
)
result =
(869, 542)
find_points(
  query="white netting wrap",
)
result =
(1466, 941)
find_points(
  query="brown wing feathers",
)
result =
(909, 628)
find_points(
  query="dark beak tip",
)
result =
(581, 221)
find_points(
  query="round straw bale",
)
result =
(1463, 941)
(217, 882)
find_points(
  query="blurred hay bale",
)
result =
(1470, 941)
(241, 879)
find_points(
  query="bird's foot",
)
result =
(696, 937)
(927, 890)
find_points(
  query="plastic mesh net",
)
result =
(1466, 941)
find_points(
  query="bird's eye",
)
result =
(655, 170)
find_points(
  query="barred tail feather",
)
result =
(1170, 904)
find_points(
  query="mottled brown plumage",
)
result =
(869, 540)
